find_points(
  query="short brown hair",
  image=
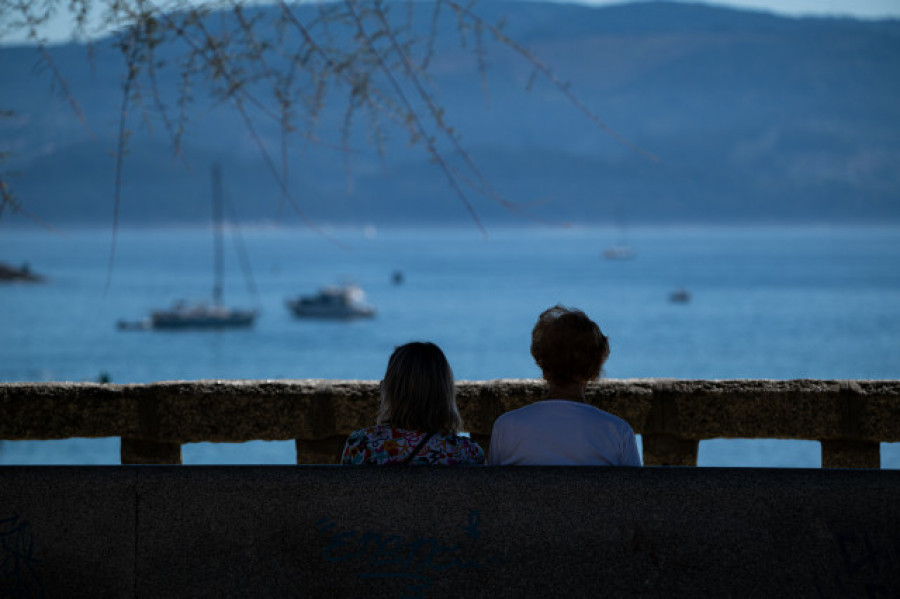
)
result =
(568, 346)
(417, 392)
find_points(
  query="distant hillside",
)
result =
(753, 117)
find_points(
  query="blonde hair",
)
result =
(417, 392)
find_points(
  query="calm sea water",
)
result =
(766, 302)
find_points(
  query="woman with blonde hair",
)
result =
(562, 429)
(418, 422)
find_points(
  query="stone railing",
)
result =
(849, 418)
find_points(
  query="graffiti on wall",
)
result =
(18, 573)
(416, 560)
(870, 566)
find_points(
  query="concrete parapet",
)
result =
(850, 418)
(330, 531)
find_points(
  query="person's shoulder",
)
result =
(457, 439)
(535, 410)
(468, 450)
(599, 414)
(533, 407)
(472, 444)
(514, 415)
(377, 431)
(539, 408)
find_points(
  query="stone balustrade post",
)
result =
(141, 451)
(320, 451)
(146, 448)
(851, 451)
(850, 454)
(663, 444)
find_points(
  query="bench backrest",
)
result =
(331, 531)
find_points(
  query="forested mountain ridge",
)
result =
(752, 117)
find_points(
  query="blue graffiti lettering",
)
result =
(18, 576)
(395, 557)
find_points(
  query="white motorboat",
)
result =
(335, 301)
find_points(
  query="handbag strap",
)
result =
(415, 451)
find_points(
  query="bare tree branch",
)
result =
(543, 69)
(283, 76)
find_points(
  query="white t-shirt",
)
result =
(557, 432)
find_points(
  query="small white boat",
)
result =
(621, 250)
(680, 296)
(618, 252)
(334, 301)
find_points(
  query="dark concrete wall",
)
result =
(330, 531)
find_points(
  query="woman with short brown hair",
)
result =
(562, 429)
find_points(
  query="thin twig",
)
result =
(8, 200)
(64, 88)
(551, 76)
(417, 123)
(131, 53)
(438, 118)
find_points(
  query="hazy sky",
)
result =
(868, 9)
(857, 8)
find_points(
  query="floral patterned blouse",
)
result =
(381, 444)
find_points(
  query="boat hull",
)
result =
(338, 302)
(300, 310)
(22, 274)
(233, 319)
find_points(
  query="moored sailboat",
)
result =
(202, 315)
(21, 274)
(621, 250)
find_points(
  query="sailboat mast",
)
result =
(219, 268)
(620, 224)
